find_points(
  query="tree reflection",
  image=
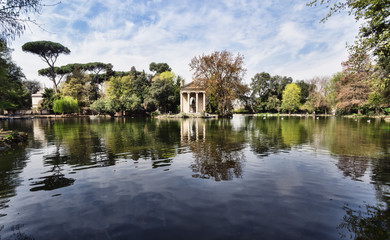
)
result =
(266, 136)
(216, 147)
(57, 179)
(138, 139)
(353, 166)
(82, 146)
(371, 222)
(11, 165)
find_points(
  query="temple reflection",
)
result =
(216, 147)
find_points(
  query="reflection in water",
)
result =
(367, 223)
(216, 147)
(55, 181)
(353, 166)
(348, 160)
(11, 165)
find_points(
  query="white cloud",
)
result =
(280, 37)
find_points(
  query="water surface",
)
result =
(244, 178)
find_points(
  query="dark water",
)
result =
(245, 178)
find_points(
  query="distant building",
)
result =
(37, 100)
(192, 99)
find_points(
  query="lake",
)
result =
(240, 178)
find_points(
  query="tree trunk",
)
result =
(53, 78)
(359, 111)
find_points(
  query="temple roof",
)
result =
(191, 86)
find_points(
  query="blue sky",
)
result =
(276, 36)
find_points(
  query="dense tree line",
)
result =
(15, 90)
(362, 87)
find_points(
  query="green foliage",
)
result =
(104, 106)
(65, 105)
(45, 49)
(273, 103)
(374, 32)
(78, 87)
(291, 97)
(161, 95)
(48, 51)
(13, 94)
(32, 86)
(159, 68)
(264, 87)
(119, 86)
(387, 110)
(131, 102)
(48, 99)
(306, 89)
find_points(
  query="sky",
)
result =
(281, 37)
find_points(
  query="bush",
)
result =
(387, 110)
(65, 105)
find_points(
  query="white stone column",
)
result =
(181, 102)
(189, 102)
(204, 102)
(197, 103)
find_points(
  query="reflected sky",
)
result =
(240, 178)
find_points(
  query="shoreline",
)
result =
(186, 115)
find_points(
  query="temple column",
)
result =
(181, 102)
(189, 102)
(204, 102)
(197, 103)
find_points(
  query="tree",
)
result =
(354, 88)
(159, 68)
(264, 87)
(48, 52)
(261, 90)
(65, 105)
(306, 89)
(32, 86)
(220, 74)
(291, 97)
(161, 94)
(13, 94)
(374, 32)
(273, 103)
(77, 86)
(318, 99)
(99, 73)
(48, 99)
(13, 17)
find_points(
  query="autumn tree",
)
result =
(353, 87)
(291, 97)
(318, 96)
(48, 51)
(220, 74)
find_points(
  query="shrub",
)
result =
(65, 105)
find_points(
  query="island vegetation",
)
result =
(362, 87)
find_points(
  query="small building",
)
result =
(36, 100)
(192, 99)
